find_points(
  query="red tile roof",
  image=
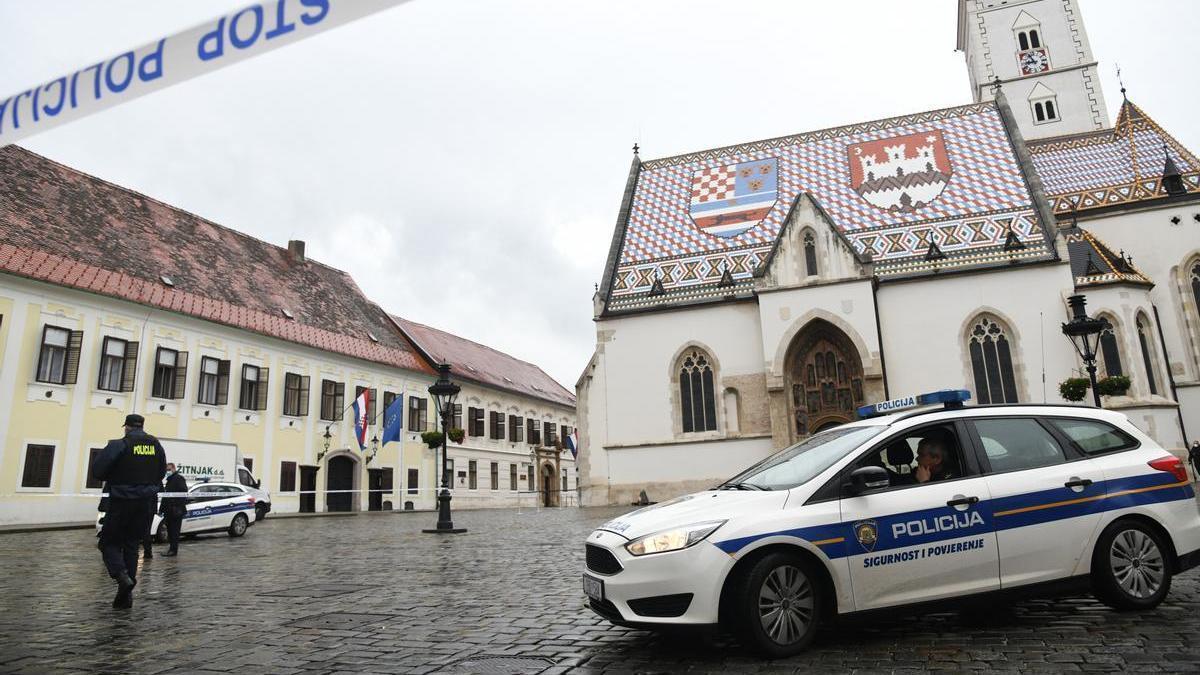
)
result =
(484, 365)
(64, 227)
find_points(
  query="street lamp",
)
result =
(1085, 335)
(374, 448)
(328, 437)
(444, 392)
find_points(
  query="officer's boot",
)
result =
(124, 599)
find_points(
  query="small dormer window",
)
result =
(372, 337)
(287, 314)
(166, 280)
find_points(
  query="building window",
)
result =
(413, 481)
(389, 397)
(295, 394)
(564, 482)
(991, 362)
(118, 359)
(551, 432)
(333, 400)
(512, 477)
(58, 358)
(516, 429)
(1109, 351)
(696, 398)
(1196, 285)
(1045, 110)
(91, 482)
(533, 431)
(253, 394)
(475, 421)
(418, 413)
(214, 381)
(170, 373)
(39, 463)
(532, 487)
(810, 255)
(472, 475)
(287, 476)
(1144, 339)
(495, 476)
(496, 422)
(370, 402)
(457, 422)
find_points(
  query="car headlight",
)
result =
(673, 539)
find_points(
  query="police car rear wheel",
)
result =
(238, 527)
(1130, 569)
(779, 608)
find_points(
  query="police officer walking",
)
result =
(133, 467)
(173, 509)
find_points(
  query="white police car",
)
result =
(1025, 499)
(211, 507)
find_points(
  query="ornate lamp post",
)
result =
(327, 437)
(1085, 335)
(444, 392)
(374, 448)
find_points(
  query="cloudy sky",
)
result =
(464, 159)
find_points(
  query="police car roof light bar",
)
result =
(952, 399)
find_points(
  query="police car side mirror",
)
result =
(866, 479)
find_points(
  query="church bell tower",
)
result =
(1039, 52)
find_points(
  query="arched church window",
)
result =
(1023, 39)
(696, 392)
(1196, 285)
(1039, 112)
(1144, 340)
(810, 254)
(1110, 352)
(732, 404)
(1034, 39)
(1050, 112)
(991, 362)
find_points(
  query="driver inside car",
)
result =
(931, 461)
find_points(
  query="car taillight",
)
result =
(1172, 465)
(252, 500)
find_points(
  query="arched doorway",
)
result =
(340, 477)
(824, 379)
(549, 483)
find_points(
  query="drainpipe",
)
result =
(1170, 376)
(879, 335)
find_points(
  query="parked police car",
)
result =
(907, 508)
(211, 507)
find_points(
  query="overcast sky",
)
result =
(464, 160)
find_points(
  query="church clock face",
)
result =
(1034, 61)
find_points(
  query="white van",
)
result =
(208, 462)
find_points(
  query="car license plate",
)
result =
(593, 588)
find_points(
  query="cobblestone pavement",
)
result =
(371, 593)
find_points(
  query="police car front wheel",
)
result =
(238, 527)
(1130, 567)
(778, 607)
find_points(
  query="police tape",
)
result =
(462, 492)
(237, 36)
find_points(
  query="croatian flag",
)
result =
(361, 405)
(572, 441)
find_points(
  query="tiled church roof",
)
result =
(889, 186)
(65, 227)
(1111, 166)
(1093, 263)
(484, 365)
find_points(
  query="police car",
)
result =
(211, 507)
(905, 508)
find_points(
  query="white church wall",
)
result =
(925, 322)
(849, 306)
(666, 471)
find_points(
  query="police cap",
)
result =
(134, 420)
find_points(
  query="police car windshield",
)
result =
(802, 462)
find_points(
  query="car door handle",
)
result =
(963, 501)
(1078, 482)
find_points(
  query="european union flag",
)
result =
(393, 420)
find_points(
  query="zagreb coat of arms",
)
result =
(728, 200)
(901, 173)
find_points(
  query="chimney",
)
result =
(296, 250)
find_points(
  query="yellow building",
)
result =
(112, 302)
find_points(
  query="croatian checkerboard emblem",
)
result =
(728, 200)
(901, 173)
(867, 533)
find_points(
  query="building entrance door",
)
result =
(308, 489)
(339, 481)
(825, 378)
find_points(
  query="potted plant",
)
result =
(1115, 385)
(457, 435)
(433, 439)
(1073, 388)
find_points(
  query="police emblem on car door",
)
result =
(867, 533)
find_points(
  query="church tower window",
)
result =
(1044, 103)
(1144, 340)
(810, 255)
(697, 398)
(991, 362)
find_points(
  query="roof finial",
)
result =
(1122, 83)
(635, 148)
(996, 82)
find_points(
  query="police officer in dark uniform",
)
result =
(173, 509)
(133, 467)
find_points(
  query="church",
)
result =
(759, 293)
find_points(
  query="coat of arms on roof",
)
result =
(730, 199)
(901, 173)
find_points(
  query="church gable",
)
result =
(811, 250)
(892, 188)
